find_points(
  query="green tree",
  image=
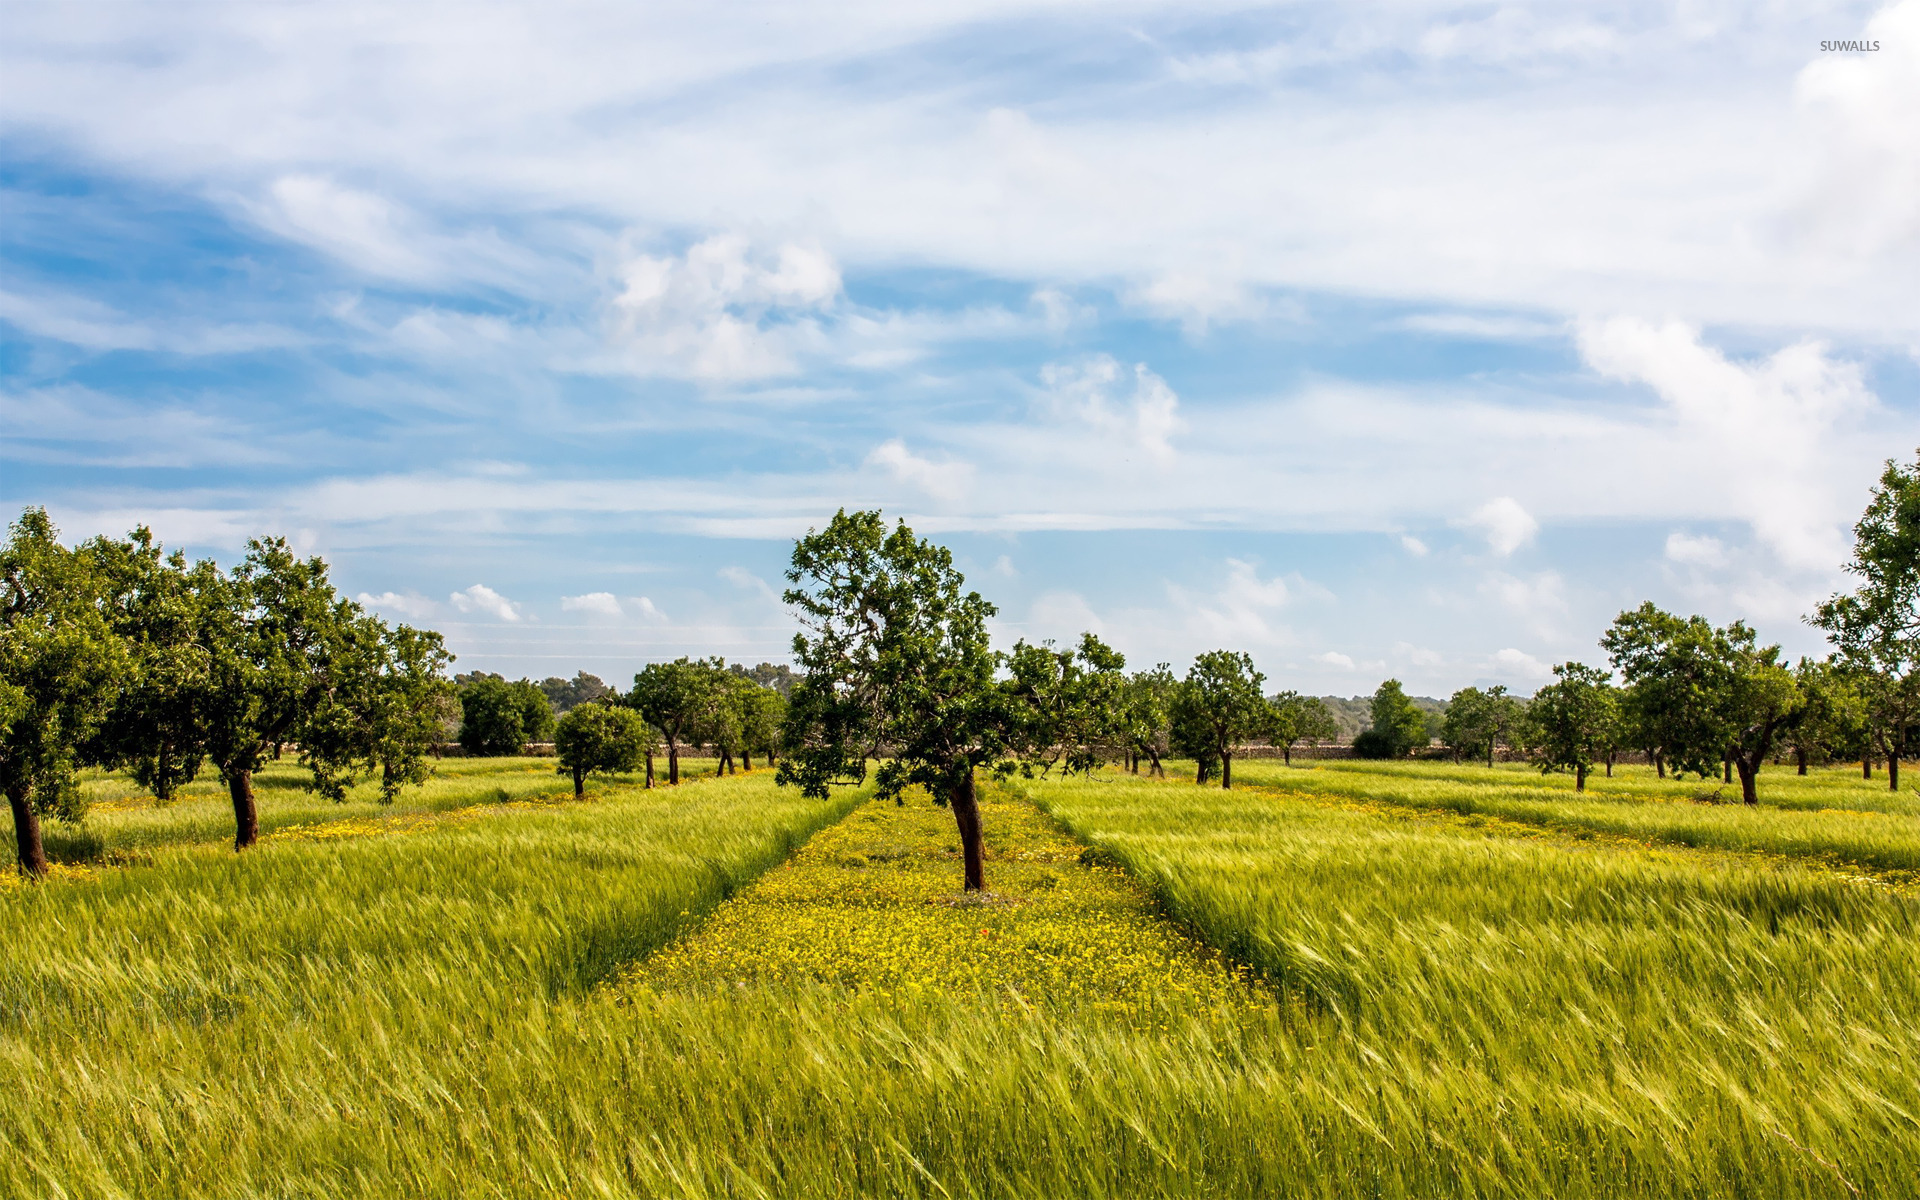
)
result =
(383, 710)
(896, 656)
(1294, 718)
(501, 718)
(1148, 716)
(1070, 703)
(1572, 721)
(1478, 723)
(676, 697)
(60, 666)
(1225, 701)
(1190, 734)
(1397, 724)
(160, 607)
(600, 737)
(275, 642)
(1832, 722)
(1875, 629)
(764, 711)
(583, 688)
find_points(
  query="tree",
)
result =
(1572, 721)
(1397, 725)
(1071, 703)
(777, 677)
(1764, 698)
(764, 711)
(383, 710)
(1477, 723)
(896, 656)
(1147, 716)
(724, 723)
(1832, 722)
(275, 637)
(1876, 628)
(500, 718)
(60, 666)
(564, 694)
(600, 737)
(1294, 718)
(159, 607)
(1189, 734)
(1224, 699)
(676, 696)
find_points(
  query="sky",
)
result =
(1404, 339)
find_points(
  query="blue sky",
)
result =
(1406, 339)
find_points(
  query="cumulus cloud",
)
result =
(1539, 600)
(1132, 405)
(1696, 551)
(723, 311)
(1504, 524)
(941, 480)
(484, 600)
(1521, 666)
(600, 604)
(406, 604)
(1413, 545)
(1333, 658)
(1766, 423)
(1242, 612)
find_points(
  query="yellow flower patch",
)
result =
(874, 905)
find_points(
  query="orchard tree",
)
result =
(896, 655)
(1876, 628)
(764, 710)
(1071, 704)
(676, 697)
(1397, 724)
(1147, 716)
(161, 608)
(1225, 703)
(382, 710)
(277, 638)
(1294, 718)
(1478, 722)
(501, 718)
(600, 737)
(60, 667)
(1572, 721)
(1832, 722)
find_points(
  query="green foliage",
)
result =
(1397, 724)
(1069, 704)
(383, 711)
(1478, 722)
(1223, 706)
(60, 666)
(563, 694)
(1573, 722)
(498, 717)
(677, 697)
(597, 738)
(1875, 629)
(1294, 718)
(1147, 713)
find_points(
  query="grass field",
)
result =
(1358, 987)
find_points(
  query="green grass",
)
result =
(125, 821)
(1832, 815)
(444, 1004)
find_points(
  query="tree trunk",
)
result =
(1893, 772)
(1200, 772)
(1157, 769)
(579, 783)
(31, 851)
(966, 815)
(1800, 752)
(1286, 753)
(1609, 764)
(649, 768)
(1490, 749)
(725, 765)
(246, 818)
(746, 759)
(1579, 778)
(1226, 769)
(1726, 768)
(1659, 764)
(1749, 775)
(1866, 766)
(673, 762)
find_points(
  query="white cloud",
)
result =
(1539, 600)
(1519, 665)
(746, 580)
(1241, 613)
(1333, 658)
(1766, 424)
(484, 600)
(722, 311)
(1003, 567)
(406, 604)
(1696, 551)
(600, 604)
(646, 609)
(1090, 392)
(364, 229)
(1504, 524)
(940, 480)
(1413, 545)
